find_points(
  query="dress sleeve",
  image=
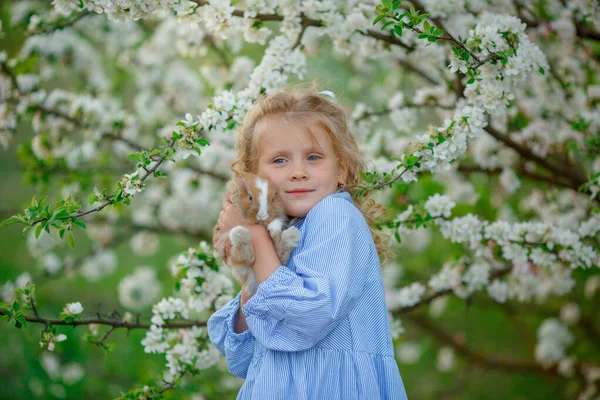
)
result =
(293, 311)
(238, 348)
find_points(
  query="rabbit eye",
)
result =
(250, 198)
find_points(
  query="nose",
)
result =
(299, 172)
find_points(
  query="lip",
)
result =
(299, 192)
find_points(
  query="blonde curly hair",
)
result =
(301, 104)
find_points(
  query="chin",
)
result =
(296, 213)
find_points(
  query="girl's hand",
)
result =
(230, 217)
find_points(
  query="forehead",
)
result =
(279, 133)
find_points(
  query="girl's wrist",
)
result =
(258, 232)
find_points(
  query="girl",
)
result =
(317, 328)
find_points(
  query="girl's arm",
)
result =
(236, 345)
(266, 260)
(240, 319)
(227, 327)
(293, 311)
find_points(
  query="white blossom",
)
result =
(553, 339)
(498, 290)
(570, 313)
(409, 352)
(446, 359)
(405, 297)
(73, 309)
(140, 289)
(439, 205)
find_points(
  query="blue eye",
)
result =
(276, 161)
(313, 159)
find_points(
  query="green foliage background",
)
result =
(499, 331)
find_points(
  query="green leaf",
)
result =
(80, 224)
(12, 220)
(387, 24)
(432, 39)
(542, 71)
(465, 55)
(412, 160)
(93, 198)
(38, 230)
(133, 157)
(379, 18)
(423, 35)
(426, 26)
(387, 3)
(203, 142)
(439, 32)
(127, 201)
(398, 30)
(472, 80)
(396, 5)
(70, 240)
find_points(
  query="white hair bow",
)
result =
(328, 93)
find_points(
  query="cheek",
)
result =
(276, 176)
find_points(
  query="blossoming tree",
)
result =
(481, 120)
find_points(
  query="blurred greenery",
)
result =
(485, 327)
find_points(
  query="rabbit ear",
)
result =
(272, 192)
(245, 184)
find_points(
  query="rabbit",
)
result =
(257, 201)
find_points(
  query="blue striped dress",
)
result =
(318, 326)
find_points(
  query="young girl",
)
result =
(317, 328)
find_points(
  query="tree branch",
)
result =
(481, 359)
(432, 296)
(110, 322)
(576, 177)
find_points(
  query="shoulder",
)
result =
(337, 209)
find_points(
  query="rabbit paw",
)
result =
(275, 226)
(291, 236)
(239, 235)
(251, 285)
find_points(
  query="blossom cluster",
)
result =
(117, 10)
(201, 287)
(537, 251)
(500, 34)
(553, 339)
(538, 242)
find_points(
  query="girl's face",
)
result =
(301, 163)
